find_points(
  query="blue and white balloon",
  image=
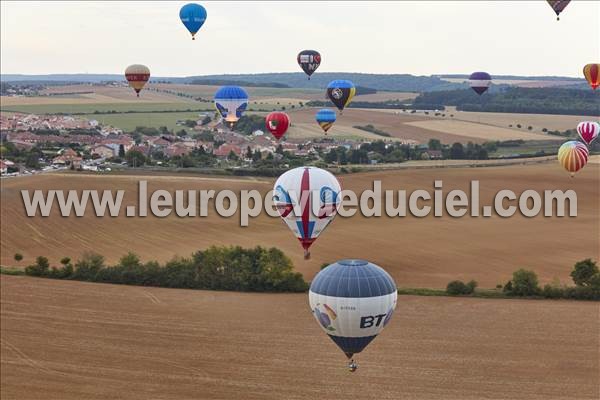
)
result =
(353, 300)
(231, 102)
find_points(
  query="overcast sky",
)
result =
(421, 38)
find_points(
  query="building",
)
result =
(104, 151)
(225, 149)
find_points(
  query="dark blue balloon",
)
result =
(193, 17)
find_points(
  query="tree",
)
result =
(256, 156)
(279, 149)
(206, 120)
(457, 151)
(525, 283)
(232, 156)
(135, 158)
(249, 153)
(121, 151)
(583, 271)
(18, 257)
(331, 156)
(65, 260)
(40, 268)
(434, 144)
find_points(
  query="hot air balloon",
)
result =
(341, 92)
(277, 123)
(480, 82)
(137, 75)
(573, 156)
(592, 75)
(558, 6)
(352, 300)
(307, 199)
(309, 61)
(193, 17)
(325, 118)
(231, 102)
(588, 131)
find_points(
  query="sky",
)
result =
(413, 37)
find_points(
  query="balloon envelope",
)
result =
(193, 17)
(353, 300)
(307, 199)
(341, 92)
(277, 123)
(480, 82)
(592, 75)
(573, 156)
(137, 75)
(231, 102)
(558, 6)
(325, 118)
(588, 131)
(309, 61)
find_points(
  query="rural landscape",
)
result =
(182, 307)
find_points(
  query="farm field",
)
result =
(418, 252)
(478, 131)
(536, 121)
(73, 340)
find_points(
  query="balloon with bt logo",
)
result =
(352, 301)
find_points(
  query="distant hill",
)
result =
(380, 82)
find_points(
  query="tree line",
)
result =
(517, 100)
(524, 283)
(217, 268)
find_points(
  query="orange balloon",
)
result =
(592, 75)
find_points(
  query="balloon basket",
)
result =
(352, 366)
(306, 255)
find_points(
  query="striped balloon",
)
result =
(573, 156)
(480, 82)
(588, 131)
(137, 75)
(325, 118)
(352, 300)
(592, 75)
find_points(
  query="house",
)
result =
(4, 164)
(224, 150)
(68, 160)
(104, 151)
(177, 150)
(434, 154)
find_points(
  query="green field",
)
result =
(529, 147)
(128, 122)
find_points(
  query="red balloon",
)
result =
(277, 123)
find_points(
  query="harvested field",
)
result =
(479, 132)
(73, 340)
(426, 252)
(536, 121)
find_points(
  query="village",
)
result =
(69, 142)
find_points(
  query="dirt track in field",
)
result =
(73, 340)
(418, 252)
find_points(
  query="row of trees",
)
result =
(517, 100)
(524, 283)
(216, 268)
